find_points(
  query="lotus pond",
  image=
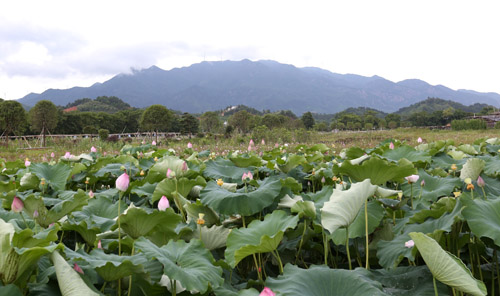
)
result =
(394, 219)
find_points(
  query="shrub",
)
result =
(113, 138)
(471, 124)
(497, 125)
(104, 134)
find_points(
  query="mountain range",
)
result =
(263, 84)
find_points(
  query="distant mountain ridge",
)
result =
(210, 86)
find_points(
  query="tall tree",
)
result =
(156, 118)
(210, 122)
(308, 120)
(241, 120)
(43, 118)
(12, 118)
(189, 124)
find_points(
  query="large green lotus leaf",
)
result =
(55, 175)
(357, 228)
(407, 152)
(69, 280)
(10, 290)
(88, 233)
(28, 257)
(169, 162)
(226, 170)
(27, 239)
(343, 206)
(434, 187)
(194, 209)
(137, 222)
(304, 208)
(7, 231)
(116, 169)
(292, 183)
(468, 148)
(446, 267)
(230, 203)
(379, 171)
(184, 186)
(29, 181)
(214, 237)
(61, 208)
(110, 267)
(405, 280)
(319, 198)
(390, 253)
(227, 290)
(258, 237)
(456, 154)
(99, 213)
(246, 160)
(444, 161)
(472, 168)
(144, 190)
(443, 205)
(492, 166)
(323, 281)
(291, 162)
(189, 263)
(483, 218)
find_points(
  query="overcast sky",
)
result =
(61, 44)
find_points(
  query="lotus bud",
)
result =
(67, 155)
(244, 177)
(419, 140)
(93, 149)
(27, 162)
(250, 175)
(422, 183)
(52, 155)
(163, 204)
(267, 292)
(220, 182)
(153, 143)
(323, 180)
(200, 220)
(409, 244)
(99, 245)
(78, 268)
(480, 182)
(412, 179)
(263, 142)
(190, 146)
(17, 205)
(391, 146)
(122, 182)
(251, 143)
(184, 166)
(35, 214)
(276, 145)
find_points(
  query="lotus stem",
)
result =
(496, 265)
(411, 195)
(259, 275)
(484, 192)
(347, 246)
(478, 259)
(130, 277)
(435, 286)
(277, 255)
(301, 240)
(25, 223)
(103, 286)
(177, 201)
(367, 265)
(325, 249)
(119, 226)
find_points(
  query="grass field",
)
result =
(343, 139)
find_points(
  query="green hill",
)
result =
(435, 104)
(100, 104)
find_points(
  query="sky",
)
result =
(61, 44)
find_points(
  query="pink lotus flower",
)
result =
(246, 176)
(412, 179)
(67, 155)
(122, 182)
(251, 143)
(480, 182)
(52, 155)
(163, 204)
(17, 205)
(184, 166)
(153, 143)
(190, 145)
(78, 268)
(91, 194)
(276, 145)
(93, 149)
(409, 244)
(27, 163)
(419, 140)
(99, 245)
(170, 173)
(391, 146)
(267, 292)
(263, 142)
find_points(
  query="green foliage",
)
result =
(103, 134)
(189, 124)
(43, 116)
(156, 118)
(210, 122)
(471, 124)
(13, 119)
(307, 120)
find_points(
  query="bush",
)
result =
(113, 138)
(104, 134)
(471, 124)
(260, 132)
(302, 135)
(368, 126)
(497, 125)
